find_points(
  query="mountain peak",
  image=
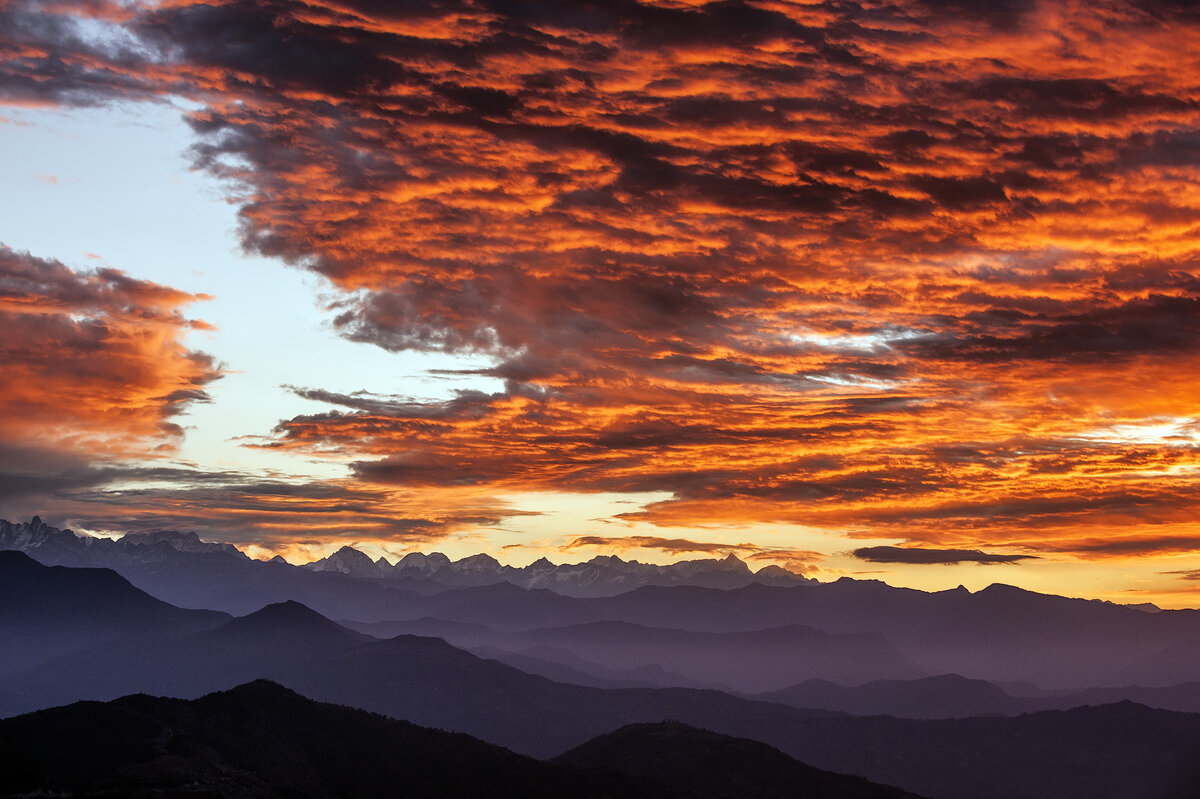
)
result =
(774, 574)
(1004, 589)
(180, 541)
(289, 610)
(289, 614)
(608, 560)
(289, 624)
(421, 562)
(347, 560)
(259, 689)
(35, 534)
(480, 562)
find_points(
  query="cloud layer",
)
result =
(94, 361)
(925, 556)
(921, 270)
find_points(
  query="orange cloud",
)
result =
(788, 292)
(922, 270)
(282, 514)
(93, 360)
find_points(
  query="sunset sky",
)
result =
(906, 290)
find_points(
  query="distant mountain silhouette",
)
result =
(1184, 697)
(561, 666)
(745, 661)
(543, 659)
(49, 611)
(286, 641)
(287, 624)
(603, 575)
(261, 740)
(182, 569)
(945, 696)
(1173, 663)
(717, 766)
(420, 679)
(349, 560)
(949, 696)
(1000, 634)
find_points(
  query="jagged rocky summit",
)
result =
(604, 575)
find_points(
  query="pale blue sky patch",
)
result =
(114, 187)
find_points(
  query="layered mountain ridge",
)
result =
(859, 630)
(1116, 751)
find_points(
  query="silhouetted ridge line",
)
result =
(49, 611)
(289, 613)
(265, 741)
(717, 766)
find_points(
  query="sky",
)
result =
(902, 290)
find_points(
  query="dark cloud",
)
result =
(674, 546)
(1002, 13)
(960, 194)
(1190, 575)
(1078, 98)
(920, 555)
(1058, 331)
(70, 54)
(265, 42)
(1142, 545)
(240, 507)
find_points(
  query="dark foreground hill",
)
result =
(716, 766)
(262, 740)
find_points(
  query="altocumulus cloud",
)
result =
(901, 268)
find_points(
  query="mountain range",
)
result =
(1000, 634)
(144, 553)
(947, 696)
(748, 661)
(1115, 751)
